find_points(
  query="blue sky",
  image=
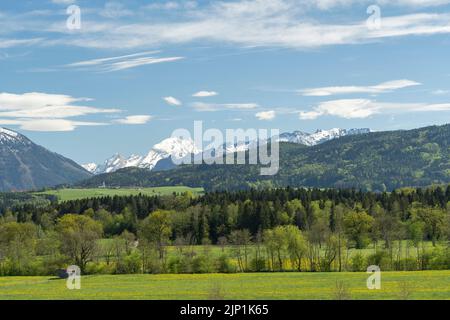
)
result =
(137, 70)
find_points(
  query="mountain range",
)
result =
(25, 165)
(377, 161)
(178, 148)
(356, 158)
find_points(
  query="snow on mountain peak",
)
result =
(320, 136)
(178, 148)
(91, 167)
(9, 136)
(175, 147)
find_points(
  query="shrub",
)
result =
(358, 262)
(440, 259)
(201, 264)
(224, 265)
(381, 259)
(175, 265)
(95, 268)
(130, 264)
(258, 264)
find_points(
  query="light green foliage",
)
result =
(75, 194)
(79, 235)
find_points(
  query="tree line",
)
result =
(253, 230)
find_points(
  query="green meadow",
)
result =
(76, 194)
(273, 286)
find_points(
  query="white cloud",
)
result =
(211, 107)
(414, 3)
(266, 115)
(172, 5)
(118, 63)
(36, 111)
(11, 101)
(48, 125)
(44, 105)
(440, 92)
(9, 43)
(172, 101)
(137, 119)
(9, 122)
(65, 2)
(364, 108)
(133, 63)
(55, 112)
(55, 125)
(269, 23)
(114, 10)
(380, 88)
(329, 4)
(94, 62)
(205, 94)
(262, 23)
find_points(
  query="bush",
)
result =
(358, 263)
(258, 264)
(51, 264)
(440, 259)
(224, 265)
(201, 264)
(175, 265)
(130, 264)
(97, 268)
(381, 259)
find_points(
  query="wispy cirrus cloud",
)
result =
(440, 92)
(212, 107)
(114, 9)
(375, 89)
(10, 43)
(172, 5)
(64, 2)
(269, 23)
(123, 62)
(364, 108)
(330, 4)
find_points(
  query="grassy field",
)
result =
(74, 194)
(295, 286)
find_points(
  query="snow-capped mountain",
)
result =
(91, 167)
(174, 147)
(25, 165)
(10, 138)
(320, 136)
(179, 148)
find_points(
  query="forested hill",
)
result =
(376, 161)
